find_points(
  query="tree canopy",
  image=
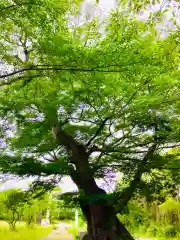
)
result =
(113, 86)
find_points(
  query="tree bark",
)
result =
(99, 212)
(102, 221)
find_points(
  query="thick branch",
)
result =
(82, 175)
(59, 68)
(64, 138)
(129, 191)
(77, 152)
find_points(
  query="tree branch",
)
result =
(18, 5)
(98, 130)
(58, 68)
(112, 150)
(77, 152)
(63, 138)
(129, 191)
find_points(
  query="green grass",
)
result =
(23, 233)
(149, 237)
(74, 229)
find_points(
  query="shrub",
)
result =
(135, 217)
(153, 230)
(170, 231)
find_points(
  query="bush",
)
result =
(66, 213)
(136, 217)
(153, 230)
(152, 220)
(170, 231)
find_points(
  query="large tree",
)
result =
(109, 93)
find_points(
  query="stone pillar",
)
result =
(84, 236)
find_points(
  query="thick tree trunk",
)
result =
(99, 212)
(102, 221)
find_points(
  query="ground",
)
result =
(60, 233)
(23, 232)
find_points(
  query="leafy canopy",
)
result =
(113, 87)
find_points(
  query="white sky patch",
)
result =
(18, 184)
(66, 184)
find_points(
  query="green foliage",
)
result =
(83, 83)
(170, 212)
(16, 205)
(152, 220)
(64, 211)
(11, 205)
(135, 216)
(33, 208)
(114, 88)
(170, 231)
(170, 206)
(158, 185)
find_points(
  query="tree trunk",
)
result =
(98, 210)
(102, 221)
(12, 226)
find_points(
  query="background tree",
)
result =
(33, 208)
(112, 101)
(11, 207)
(154, 208)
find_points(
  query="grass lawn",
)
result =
(23, 233)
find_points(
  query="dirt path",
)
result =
(60, 233)
(143, 239)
